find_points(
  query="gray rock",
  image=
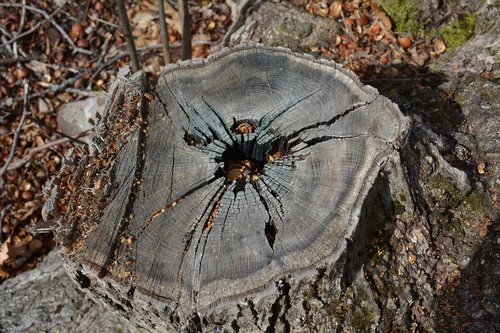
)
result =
(46, 300)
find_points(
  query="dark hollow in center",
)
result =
(239, 167)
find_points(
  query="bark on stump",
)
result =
(217, 201)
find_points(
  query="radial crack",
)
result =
(164, 105)
(321, 139)
(189, 236)
(173, 203)
(223, 123)
(264, 123)
(332, 120)
(281, 212)
(270, 229)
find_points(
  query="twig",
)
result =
(164, 33)
(17, 60)
(27, 32)
(23, 18)
(71, 81)
(52, 89)
(97, 19)
(75, 48)
(25, 159)
(394, 40)
(101, 58)
(142, 50)
(81, 92)
(134, 58)
(18, 130)
(186, 28)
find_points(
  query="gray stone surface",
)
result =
(281, 24)
(46, 300)
(481, 52)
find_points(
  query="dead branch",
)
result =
(75, 48)
(17, 60)
(186, 29)
(26, 158)
(164, 33)
(36, 26)
(122, 13)
(18, 131)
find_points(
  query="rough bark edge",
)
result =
(160, 304)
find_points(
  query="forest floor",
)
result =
(57, 57)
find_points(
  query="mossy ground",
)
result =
(457, 31)
(462, 210)
(454, 33)
(402, 13)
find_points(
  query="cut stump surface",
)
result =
(234, 172)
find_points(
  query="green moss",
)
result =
(399, 208)
(402, 13)
(459, 30)
(362, 320)
(462, 211)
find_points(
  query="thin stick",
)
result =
(97, 19)
(75, 48)
(186, 29)
(164, 33)
(134, 58)
(18, 131)
(17, 60)
(39, 23)
(25, 159)
(68, 82)
(23, 17)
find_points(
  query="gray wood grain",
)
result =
(175, 230)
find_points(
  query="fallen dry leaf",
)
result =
(439, 46)
(4, 251)
(481, 166)
(384, 19)
(336, 9)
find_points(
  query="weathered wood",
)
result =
(244, 176)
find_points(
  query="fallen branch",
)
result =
(26, 158)
(75, 48)
(71, 81)
(18, 131)
(36, 26)
(17, 60)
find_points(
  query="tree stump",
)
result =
(209, 203)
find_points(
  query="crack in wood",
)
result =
(281, 212)
(138, 174)
(332, 120)
(189, 236)
(173, 203)
(223, 123)
(264, 123)
(164, 106)
(270, 229)
(277, 308)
